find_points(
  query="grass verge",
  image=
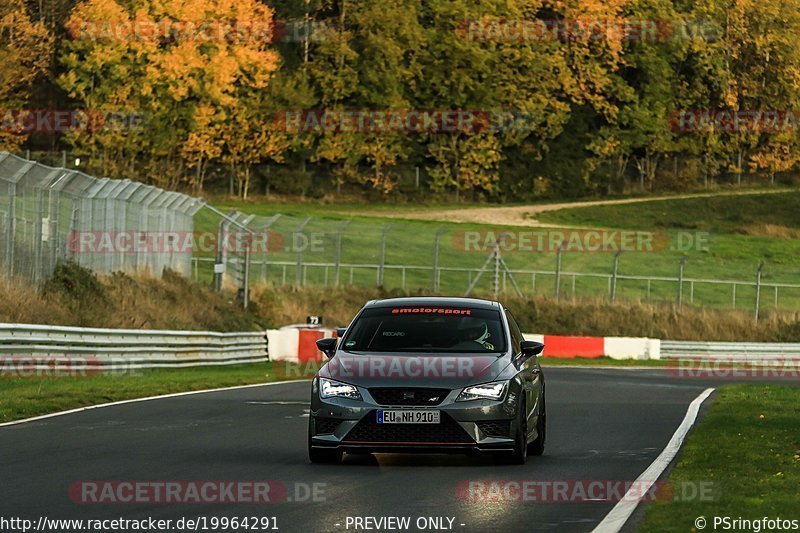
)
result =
(748, 447)
(720, 238)
(718, 214)
(28, 397)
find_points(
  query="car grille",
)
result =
(495, 428)
(368, 430)
(408, 396)
(324, 426)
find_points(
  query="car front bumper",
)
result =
(468, 426)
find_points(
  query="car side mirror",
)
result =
(327, 346)
(340, 332)
(531, 348)
(528, 349)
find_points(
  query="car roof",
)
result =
(475, 303)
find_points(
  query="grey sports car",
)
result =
(433, 375)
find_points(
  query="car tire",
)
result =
(519, 455)
(322, 455)
(537, 446)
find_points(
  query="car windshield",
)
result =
(427, 329)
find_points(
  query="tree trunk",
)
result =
(246, 185)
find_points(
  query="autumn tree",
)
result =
(25, 53)
(185, 66)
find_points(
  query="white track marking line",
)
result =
(622, 511)
(147, 398)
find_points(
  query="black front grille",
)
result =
(495, 428)
(408, 395)
(447, 431)
(324, 426)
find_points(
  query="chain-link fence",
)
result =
(51, 214)
(684, 267)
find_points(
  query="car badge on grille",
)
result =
(408, 395)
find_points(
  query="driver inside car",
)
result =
(471, 331)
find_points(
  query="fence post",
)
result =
(680, 281)
(10, 222)
(265, 243)
(219, 264)
(436, 237)
(338, 265)
(758, 286)
(246, 288)
(558, 271)
(298, 275)
(382, 264)
(614, 270)
(37, 236)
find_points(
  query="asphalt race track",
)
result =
(603, 424)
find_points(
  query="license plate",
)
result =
(409, 416)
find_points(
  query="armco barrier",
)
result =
(100, 348)
(731, 351)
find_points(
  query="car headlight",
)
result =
(486, 391)
(330, 388)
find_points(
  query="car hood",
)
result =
(439, 370)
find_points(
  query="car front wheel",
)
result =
(537, 447)
(519, 455)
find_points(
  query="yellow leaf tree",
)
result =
(26, 48)
(185, 65)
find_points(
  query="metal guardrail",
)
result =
(730, 351)
(41, 346)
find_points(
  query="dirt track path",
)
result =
(525, 215)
